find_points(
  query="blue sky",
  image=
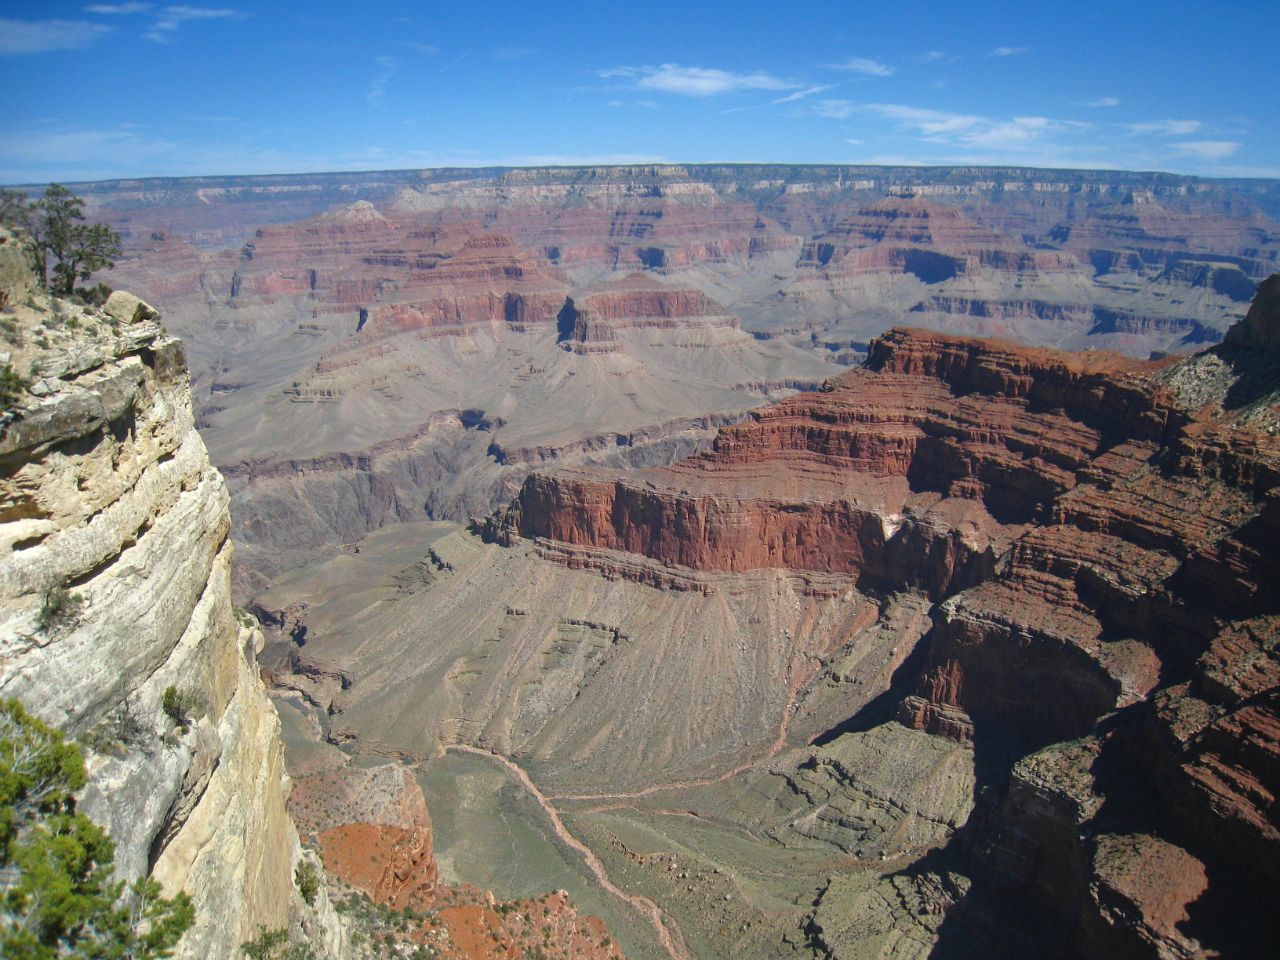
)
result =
(126, 89)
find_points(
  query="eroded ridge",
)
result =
(1098, 536)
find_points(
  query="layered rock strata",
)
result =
(1097, 534)
(115, 587)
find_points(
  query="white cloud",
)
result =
(1099, 102)
(1010, 133)
(386, 68)
(833, 109)
(1208, 149)
(1019, 137)
(801, 94)
(41, 36)
(426, 49)
(696, 81)
(929, 122)
(170, 19)
(1168, 128)
(110, 9)
(930, 56)
(864, 65)
(1008, 51)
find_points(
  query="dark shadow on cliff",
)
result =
(884, 707)
(1256, 372)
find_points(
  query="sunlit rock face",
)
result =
(108, 500)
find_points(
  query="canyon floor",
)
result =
(647, 750)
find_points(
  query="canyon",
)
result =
(970, 652)
(405, 346)
(665, 562)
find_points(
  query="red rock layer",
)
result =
(1098, 552)
(590, 323)
(914, 470)
(914, 235)
(395, 274)
(373, 833)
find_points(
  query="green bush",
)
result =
(307, 877)
(59, 899)
(181, 706)
(11, 386)
(274, 945)
(96, 295)
(60, 609)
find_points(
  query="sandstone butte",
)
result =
(1098, 535)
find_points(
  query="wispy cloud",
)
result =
(1008, 134)
(1208, 149)
(929, 56)
(801, 94)
(932, 123)
(863, 65)
(964, 130)
(112, 9)
(1008, 51)
(41, 36)
(696, 81)
(169, 19)
(455, 61)
(832, 109)
(385, 70)
(1168, 128)
(1098, 102)
(426, 49)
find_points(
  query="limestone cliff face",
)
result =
(115, 584)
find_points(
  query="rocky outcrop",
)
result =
(591, 323)
(373, 831)
(1097, 533)
(883, 474)
(115, 589)
(1260, 329)
(930, 240)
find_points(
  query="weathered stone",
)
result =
(126, 308)
(106, 490)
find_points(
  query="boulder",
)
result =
(126, 308)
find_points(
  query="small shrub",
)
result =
(60, 609)
(266, 946)
(181, 706)
(119, 730)
(11, 386)
(60, 899)
(96, 295)
(307, 878)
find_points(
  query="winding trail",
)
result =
(668, 933)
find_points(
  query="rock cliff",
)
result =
(116, 619)
(1097, 536)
